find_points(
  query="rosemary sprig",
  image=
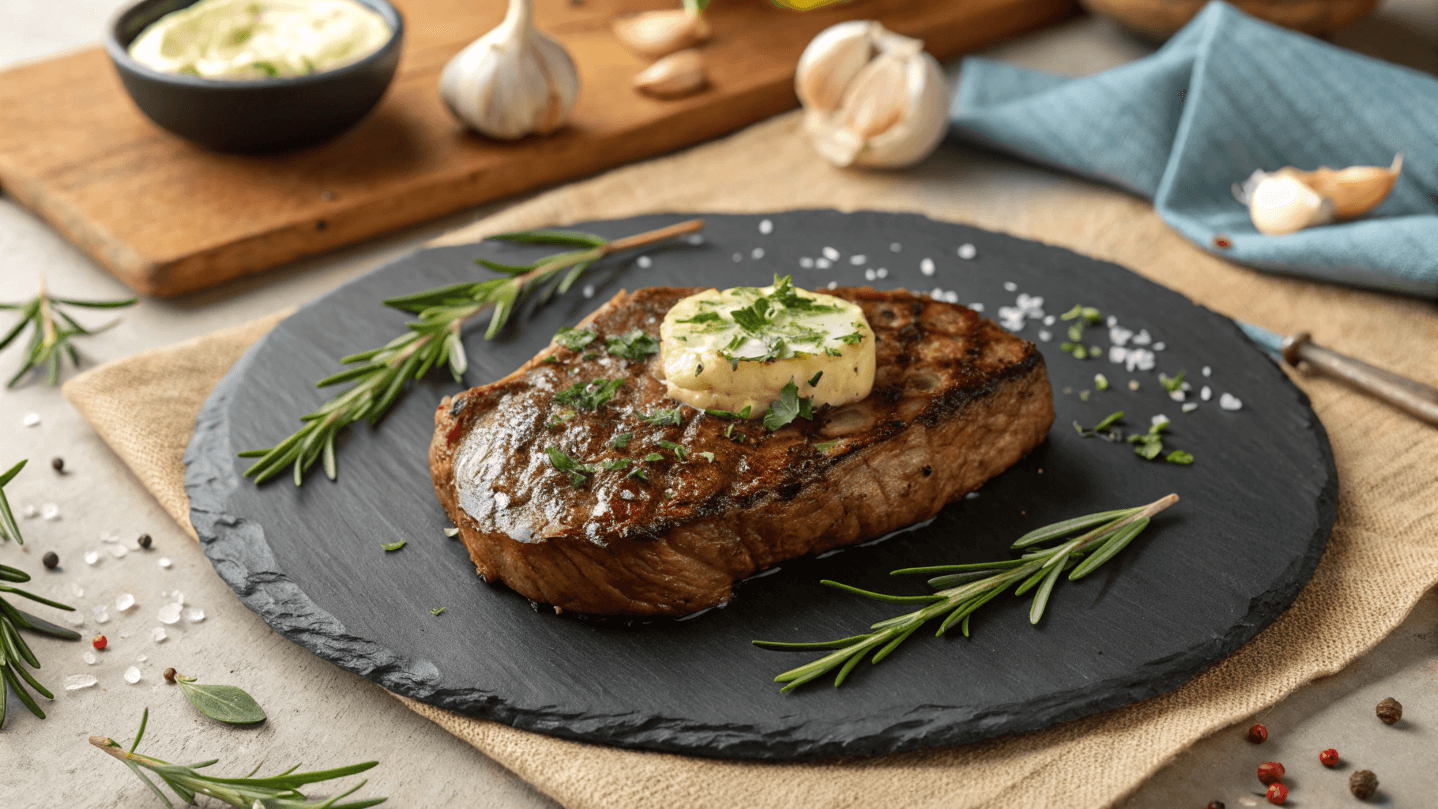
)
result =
(50, 338)
(14, 652)
(8, 527)
(433, 340)
(965, 588)
(280, 791)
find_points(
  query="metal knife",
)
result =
(1405, 394)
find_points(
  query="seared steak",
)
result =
(956, 400)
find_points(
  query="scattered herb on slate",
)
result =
(50, 339)
(438, 611)
(433, 340)
(15, 653)
(652, 457)
(578, 472)
(789, 407)
(965, 588)
(394, 546)
(8, 527)
(1172, 384)
(1100, 381)
(574, 339)
(663, 418)
(636, 345)
(224, 703)
(280, 791)
(590, 395)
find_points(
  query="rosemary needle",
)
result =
(962, 589)
(50, 340)
(15, 654)
(433, 339)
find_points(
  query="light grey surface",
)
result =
(321, 716)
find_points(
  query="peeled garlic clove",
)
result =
(831, 62)
(1282, 203)
(659, 33)
(676, 75)
(513, 81)
(892, 111)
(1355, 190)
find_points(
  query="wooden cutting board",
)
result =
(167, 217)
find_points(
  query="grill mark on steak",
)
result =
(956, 400)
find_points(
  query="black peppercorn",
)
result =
(57, 463)
(145, 541)
(1363, 784)
(50, 560)
(1390, 710)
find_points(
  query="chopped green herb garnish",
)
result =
(832, 352)
(1100, 381)
(730, 414)
(638, 472)
(1072, 313)
(1076, 331)
(788, 407)
(680, 451)
(699, 369)
(574, 339)
(663, 418)
(552, 358)
(703, 317)
(708, 456)
(621, 441)
(814, 380)
(1108, 421)
(578, 472)
(1083, 395)
(827, 445)
(636, 345)
(438, 611)
(616, 463)
(1149, 449)
(589, 395)
(652, 457)
(852, 339)
(1172, 383)
(559, 418)
(451, 532)
(1133, 384)
(394, 546)
(1180, 457)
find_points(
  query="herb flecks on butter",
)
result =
(727, 351)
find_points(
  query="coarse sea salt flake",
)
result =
(169, 614)
(859, 259)
(1111, 322)
(194, 615)
(1159, 346)
(831, 254)
(117, 551)
(895, 247)
(1045, 335)
(807, 263)
(644, 261)
(165, 562)
(967, 251)
(1117, 354)
(1207, 371)
(757, 252)
(1011, 286)
(1119, 335)
(1177, 395)
(926, 266)
(822, 263)
(158, 634)
(1159, 419)
(766, 227)
(977, 307)
(77, 681)
(141, 659)
(831, 284)
(31, 419)
(89, 658)
(1189, 407)
(132, 675)
(30, 511)
(1206, 393)
(124, 601)
(78, 590)
(951, 297)
(1230, 402)
(49, 511)
(738, 257)
(868, 275)
(1142, 338)
(694, 239)
(74, 619)
(91, 557)
(882, 272)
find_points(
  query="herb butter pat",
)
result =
(259, 39)
(739, 348)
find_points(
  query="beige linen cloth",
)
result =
(1382, 557)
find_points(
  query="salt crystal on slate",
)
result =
(77, 681)
(1229, 402)
(859, 259)
(74, 619)
(822, 263)
(1117, 354)
(766, 227)
(832, 284)
(158, 634)
(971, 496)
(926, 266)
(1142, 338)
(165, 562)
(967, 251)
(645, 261)
(102, 615)
(194, 615)
(1207, 371)
(91, 557)
(118, 551)
(1159, 419)
(109, 537)
(937, 294)
(868, 275)
(30, 511)
(50, 511)
(124, 601)
(588, 290)
(1119, 335)
(1206, 393)
(142, 658)
(89, 658)
(1045, 335)
(807, 263)
(1159, 346)
(831, 254)
(78, 590)
(895, 247)
(977, 307)
(738, 257)
(1011, 286)
(951, 296)
(1176, 395)
(31, 419)
(132, 675)
(1189, 407)
(177, 597)
(694, 239)
(1111, 322)
(170, 614)
(882, 272)
(1050, 320)
(757, 252)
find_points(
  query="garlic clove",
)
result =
(1355, 190)
(1282, 203)
(892, 111)
(513, 81)
(656, 34)
(674, 76)
(831, 62)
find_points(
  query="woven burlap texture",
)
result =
(1383, 554)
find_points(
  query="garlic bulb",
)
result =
(1288, 200)
(676, 75)
(659, 33)
(871, 97)
(513, 81)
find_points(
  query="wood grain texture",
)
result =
(166, 217)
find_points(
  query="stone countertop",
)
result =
(321, 716)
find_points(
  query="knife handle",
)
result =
(1411, 397)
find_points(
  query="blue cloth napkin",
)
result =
(1225, 96)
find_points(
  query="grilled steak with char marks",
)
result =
(956, 400)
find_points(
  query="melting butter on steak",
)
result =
(956, 400)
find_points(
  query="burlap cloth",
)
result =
(1382, 557)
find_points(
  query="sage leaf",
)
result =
(224, 703)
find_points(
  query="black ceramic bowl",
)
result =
(262, 115)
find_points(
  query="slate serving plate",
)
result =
(1256, 510)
